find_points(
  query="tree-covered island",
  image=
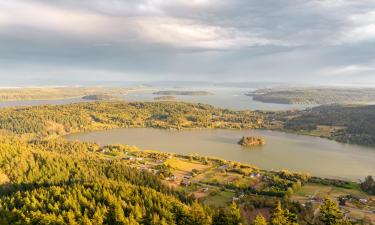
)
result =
(252, 141)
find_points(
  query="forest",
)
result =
(48, 180)
(61, 119)
(343, 123)
(315, 96)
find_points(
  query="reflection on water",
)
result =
(317, 156)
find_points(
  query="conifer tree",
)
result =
(330, 213)
(260, 220)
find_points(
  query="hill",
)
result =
(315, 96)
(344, 123)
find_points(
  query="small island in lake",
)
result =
(100, 97)
(252, 141)
(190, 93)
(165, 98)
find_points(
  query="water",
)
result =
(40, 102)
(317, 156)
(224, 97)
(231, 98)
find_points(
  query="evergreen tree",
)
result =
(259, 220)
(368, 185)
(283, 217)
(330, 213)
(235, 213)
(278, 216)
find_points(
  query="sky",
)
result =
(292, 41)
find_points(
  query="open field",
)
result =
(185, 166)
(220, 199)
(355, 206)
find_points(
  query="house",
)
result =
(205, 189)
(235, 199)
(223, 167)
(172, 178)
(185, 183)
(342, 201)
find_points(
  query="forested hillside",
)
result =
(45, 179)
(53, 182)
(60, 119)
(315, 96)
(348, 124)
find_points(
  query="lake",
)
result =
(317, 156)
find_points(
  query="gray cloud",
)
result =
(240, 40)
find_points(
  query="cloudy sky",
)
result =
(301, 41)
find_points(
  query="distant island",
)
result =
(165, 98)
(100, 97)
(50, 93)
(315, 96)
(252, 141)
(190, 93)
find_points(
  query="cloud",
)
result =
(41, 16)
(348, 70)
(156, 29)
(179, 39)
(359, 28)
(187, 33)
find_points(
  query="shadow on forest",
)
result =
(9, 188)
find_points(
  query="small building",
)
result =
(185, 183)
(223, 167)
(342, 201)
(205, 189)
(171, 178)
